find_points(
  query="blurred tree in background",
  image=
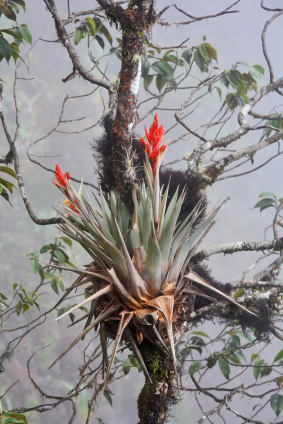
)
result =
(112, 46)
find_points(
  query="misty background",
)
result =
(236, 37)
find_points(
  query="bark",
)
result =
(135, 22)
(155, 399)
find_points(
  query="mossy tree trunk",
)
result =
(155, 399)
(135, 22)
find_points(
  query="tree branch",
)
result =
(63, 36)
(21, 183)
(240, 246)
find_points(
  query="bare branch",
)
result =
(238, 246)
(219, 407)
(63, 36)
(267, 8)
(195, 18)
(264, 43)
(21, 183)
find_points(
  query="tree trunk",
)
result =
(155, 399)
(136, 23)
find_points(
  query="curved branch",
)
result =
(21, 183)
(195, 18)
(267, 8)
(251, 170)
(63, 36)
(264, 44)
(238, 246)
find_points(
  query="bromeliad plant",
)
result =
(142, 285)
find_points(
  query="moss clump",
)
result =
(156, 399)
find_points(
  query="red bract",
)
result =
(151, 145)
(61, 178)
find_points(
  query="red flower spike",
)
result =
(61, 183)
(151, 145)
(61, 178)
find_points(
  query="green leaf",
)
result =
(60, 256)
(265, 371)
(256, 78)
(67, 240)
(3, 297)
(200, 333)
(163, 68)
(187, 55)
(195, 367)
(236, 340)
(107, 396)
(219, 92)
(197, 341)
(258, 362)
(14, 7)
(7, 10)
(100, 41)
(265, 202)
(5, 49)
(45, 248)
(267, 194)
(21, 3)
(200, 61)
(276, 402)
(234, 358)
(224, 367)
(211, 362)
(85, 30)
(203, 52)
(78, 35)
(16, 54)
(148, 81)
(185, 352)
(259, 69)
(54, 286)
(61, 285)
(1, 188)
(17, 417)
(198, 348)
(247, 65)
(61, 311)
(240, 355)
(126, 366)
(7, 184)
(25, 33)
(235, 78)
(145, 68)
(171, 58)
(19, 307)
(245, 336)
(29, 299)
(36, 295)
(160, 82)
(103, 30)
(211, 51)
(34, 265)
(278, 356)
(71, 264)
(254, 356)
(13, 33)
(5, 194)
(239, 293)
(8, 170)
(92, 24)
